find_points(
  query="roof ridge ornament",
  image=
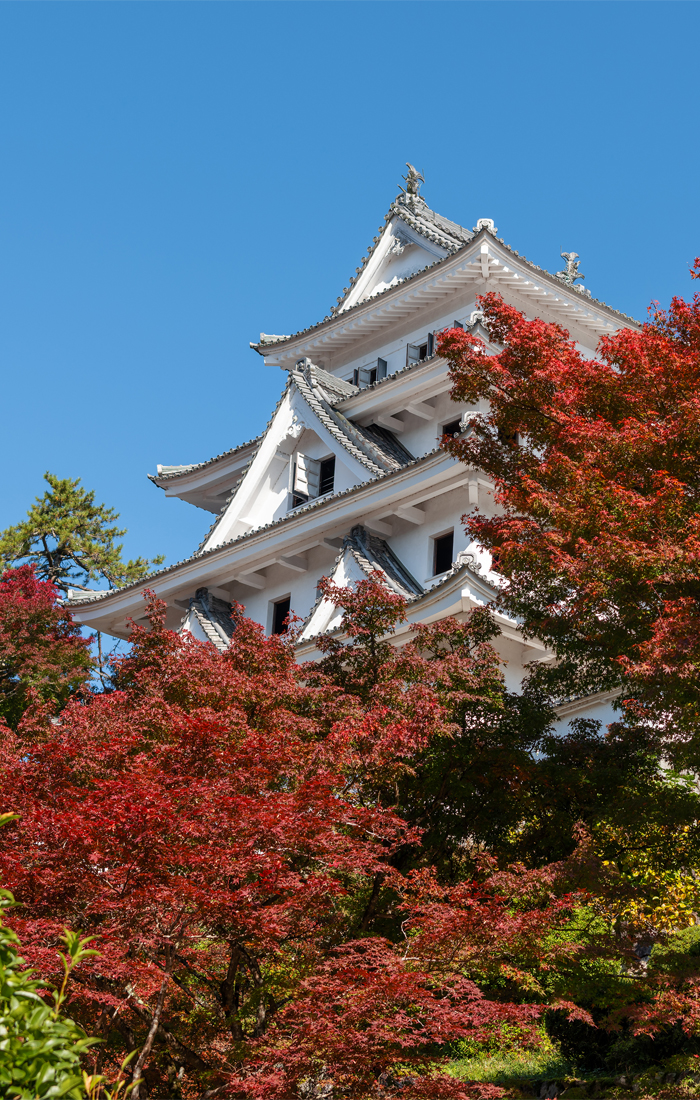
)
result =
(398, 242)
(486, 223)
(571, 273)
(411, 192)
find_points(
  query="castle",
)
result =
(349, 477)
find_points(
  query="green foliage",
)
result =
(679, 955)
(511, 1063)
(40, 1050)
(70, 540)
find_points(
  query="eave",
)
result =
(457, 596)
(297, 532)
(485, 263)
(207, 484)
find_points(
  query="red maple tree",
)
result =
(223, 825)
(596, 465)
(43, 658)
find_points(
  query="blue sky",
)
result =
(177, 177)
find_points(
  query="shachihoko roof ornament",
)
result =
(411, 191)
(571, 272)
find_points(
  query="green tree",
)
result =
(70, 540)
(40, 1049)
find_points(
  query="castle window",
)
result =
(327, 475)
(280, 611)
(453, 428)
(303, 480)
(511, 438)
(443, 549)
(416, 352)
(365, 376)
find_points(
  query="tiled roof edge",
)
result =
(400, 210)
(317, 502)
(330, 420)
(244, 471)
(458, 567)
(156, 478)
(409, 278)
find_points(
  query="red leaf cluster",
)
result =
(596, 463)
(215, 822)
(43, 659)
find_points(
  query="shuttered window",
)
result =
(453, 428)
(327, 475)
(280, 611)
(365, 376)
(416, 352)
(309, 478)
(443, 548)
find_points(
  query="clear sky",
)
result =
(177, 177)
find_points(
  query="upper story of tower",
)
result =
(364, 385)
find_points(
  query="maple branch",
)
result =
(150, 1038)
(188, 1056)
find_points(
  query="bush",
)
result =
(40, 1050)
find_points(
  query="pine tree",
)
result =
(70, 540)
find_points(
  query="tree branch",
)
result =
(150, 1038)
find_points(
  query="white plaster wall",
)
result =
(393, 349)
(413, 544)
(602, 712)
(282, 582)
(422, 436)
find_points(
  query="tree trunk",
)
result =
(150, 1038)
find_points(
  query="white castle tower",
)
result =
(348, 477)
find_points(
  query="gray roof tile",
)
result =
(214, 617)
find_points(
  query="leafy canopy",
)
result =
(287, 867)
(596, 463)
(43, 658)
(70, 540)
(223, 824)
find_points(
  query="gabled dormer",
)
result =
(309, 452)
(415, 237)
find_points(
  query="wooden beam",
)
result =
(390, 422)
(252, 580)
(379, 527)
(485, 262)
(293, 561)
(410, 513)
(419, 408)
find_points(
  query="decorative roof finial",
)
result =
(413, 180)
(570, 273)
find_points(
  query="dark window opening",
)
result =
(453, 428)
(280, 611)
(458, 324)
(366, 376)
(444, 547)
(327, 475)
(416, 352)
